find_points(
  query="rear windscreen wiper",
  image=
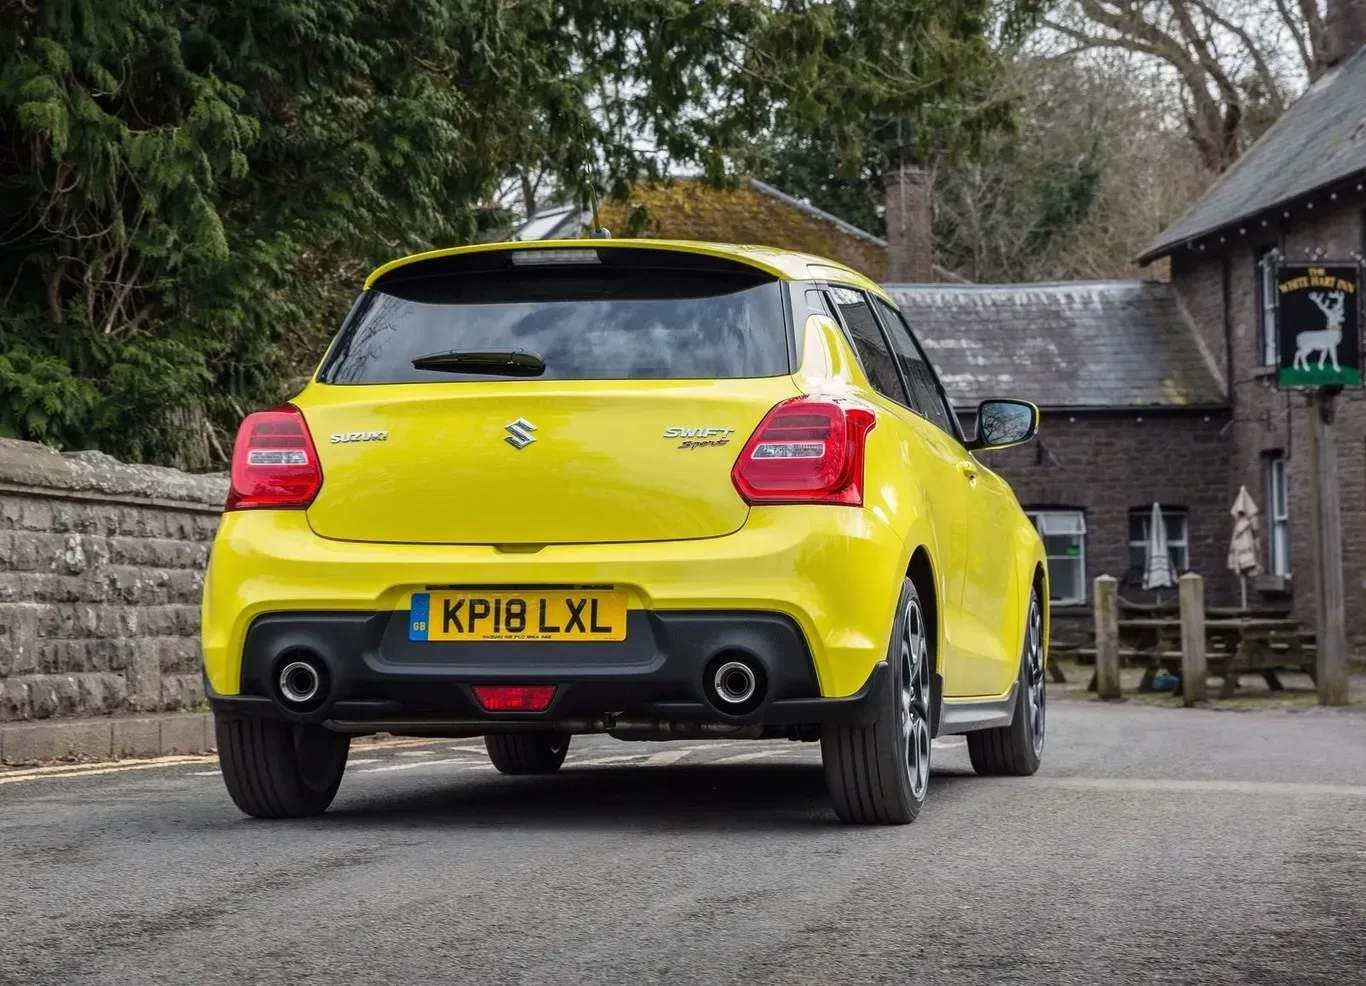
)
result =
(496, 362)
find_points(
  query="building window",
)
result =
(1277, 517)
(1064, 541)
(1266, 280)
(1178, 543)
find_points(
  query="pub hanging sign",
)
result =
(1318, 319)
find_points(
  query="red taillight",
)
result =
(274, 463)
(514, 698)
(806, 450)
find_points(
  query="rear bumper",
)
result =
(831, 573)
(377, 679)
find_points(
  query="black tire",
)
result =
(527, 753)
(276, 769)
(879, 774)
(1016, 750)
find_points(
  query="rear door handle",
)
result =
(969, 471)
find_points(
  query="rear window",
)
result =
(604, 322)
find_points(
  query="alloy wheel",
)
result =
(1036, 694)
(915, 698)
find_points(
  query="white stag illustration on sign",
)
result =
(1324, 342)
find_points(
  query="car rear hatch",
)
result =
(584, 396)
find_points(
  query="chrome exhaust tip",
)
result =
(735, 682)
(300, 682)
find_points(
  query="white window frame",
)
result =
(1179, 547)
(1278, 517)
(1064, 523)
(1266, 280)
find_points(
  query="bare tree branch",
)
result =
(1236, 71)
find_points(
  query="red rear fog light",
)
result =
(514, 698)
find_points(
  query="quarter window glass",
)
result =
(916, 370)
(868, 343)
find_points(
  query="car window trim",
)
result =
(790, 330)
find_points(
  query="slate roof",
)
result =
(1076, 344)
(559, 223)
(1320, 141)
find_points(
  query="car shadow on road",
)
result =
(751, 797)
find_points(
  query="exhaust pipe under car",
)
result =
(300, 682)
(735, 683)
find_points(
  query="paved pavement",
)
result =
(1155, 846)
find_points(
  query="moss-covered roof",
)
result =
(753, 213)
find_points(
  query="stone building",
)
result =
(1299, 193)
(1133, 412)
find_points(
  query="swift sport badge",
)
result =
(519, 433)
(360, 436)
(699, 437)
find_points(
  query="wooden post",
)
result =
(1330, 630)
(1107, 637)
(1194, 669)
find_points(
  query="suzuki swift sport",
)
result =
(653, 489)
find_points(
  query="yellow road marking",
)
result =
(81, 770)
(63, 770)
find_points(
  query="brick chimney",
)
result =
(1344, 29)
(908, 199)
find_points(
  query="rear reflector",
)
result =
(274, 463)
(806, 450)
(514, 698)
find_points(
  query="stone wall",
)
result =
(1220, 289)
(101, 566)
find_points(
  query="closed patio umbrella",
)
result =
(1244, 557)
(1157, 567)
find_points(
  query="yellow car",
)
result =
(654, 489)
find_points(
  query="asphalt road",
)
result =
(1155, 846)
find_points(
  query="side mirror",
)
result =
(1003, 423)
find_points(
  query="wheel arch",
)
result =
(1039, 585)
(920, 570)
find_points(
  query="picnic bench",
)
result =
(1233, 646)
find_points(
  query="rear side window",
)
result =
(588, 323)
(918, 373)
(871, 348)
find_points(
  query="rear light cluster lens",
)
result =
(514, 698)
(806, 450)
(274, 463)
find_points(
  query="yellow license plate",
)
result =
(560, 614)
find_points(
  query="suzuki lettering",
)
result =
(360, 436)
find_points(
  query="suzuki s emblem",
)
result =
(519, 433)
